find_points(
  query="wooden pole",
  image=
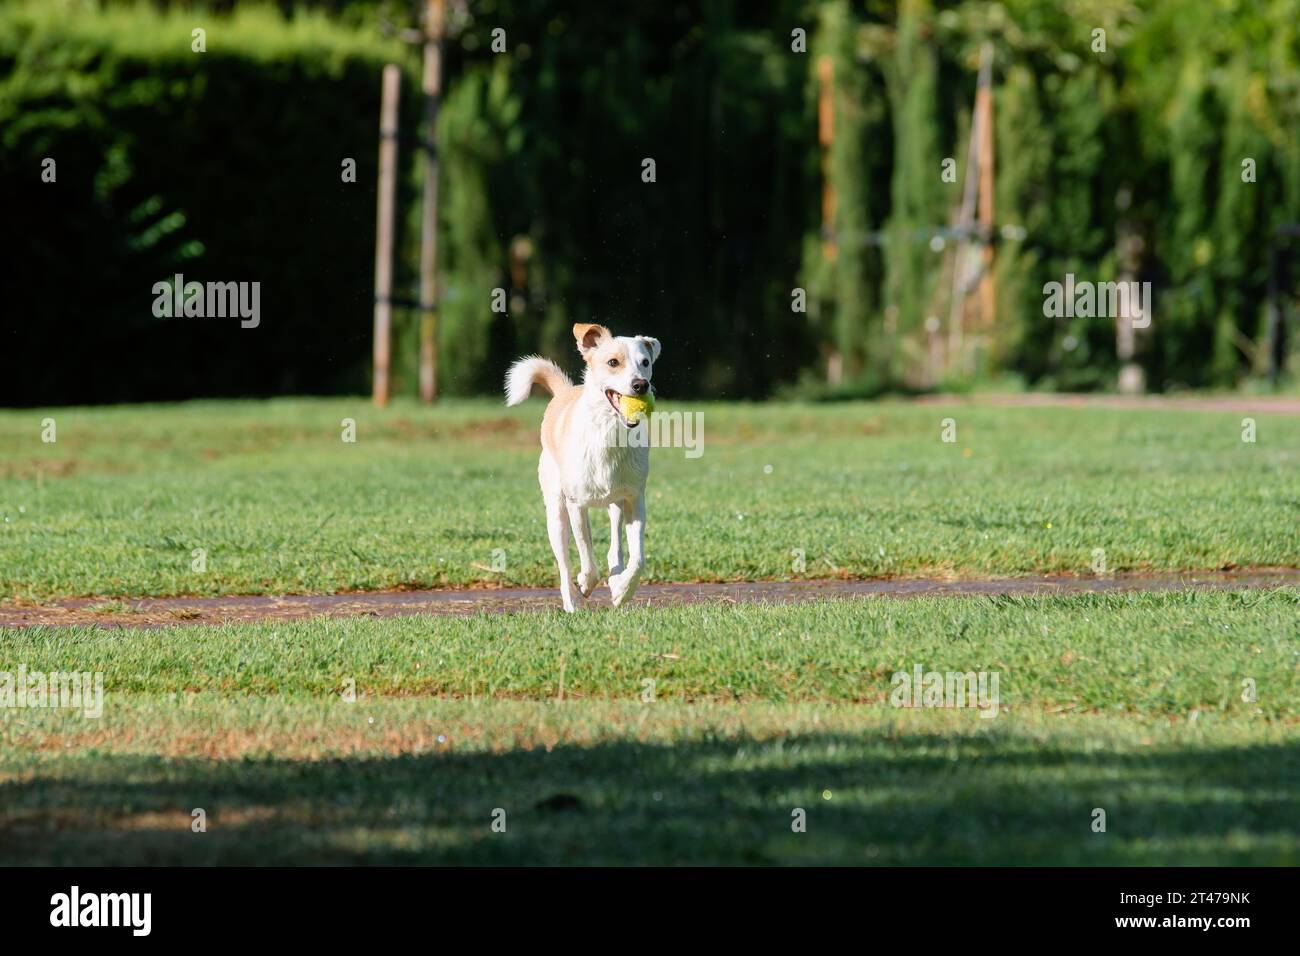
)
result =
(391, 90)
(434, 27)
(825, 137)
(1128, 256)
(984, 110)
(961, 251)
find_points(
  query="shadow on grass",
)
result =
(871, 798)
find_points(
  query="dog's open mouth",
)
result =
(614, 398)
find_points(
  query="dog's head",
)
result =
(616, 365)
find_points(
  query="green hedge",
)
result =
(224, 166)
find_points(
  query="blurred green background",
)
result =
(225, 166)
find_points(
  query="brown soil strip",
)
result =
(1237, 404)
(159, 612)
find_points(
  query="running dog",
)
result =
(585, 462)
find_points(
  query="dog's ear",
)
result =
(589, 336)
(653, 345)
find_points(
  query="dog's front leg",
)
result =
(623, 586)
(615, 539)
(557, 527)
(587, 576)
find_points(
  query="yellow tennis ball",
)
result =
(634, 406)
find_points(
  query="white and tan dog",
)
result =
(585, 462)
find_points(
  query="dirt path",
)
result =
(158, 612)
(1239, 404)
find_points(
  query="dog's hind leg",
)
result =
(587, 576)
(557, 526)
(623, 586)
(615, 538)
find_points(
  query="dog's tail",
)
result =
(530, 371)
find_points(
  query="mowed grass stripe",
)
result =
(1131, 653)
(428, 496)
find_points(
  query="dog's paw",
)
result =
(566, 597)
(622, 587)
(587, 582)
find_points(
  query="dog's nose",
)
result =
(639, 385)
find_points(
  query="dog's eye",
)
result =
(613, 363)
(645, 364)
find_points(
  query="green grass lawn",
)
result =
(438, 496)
(670, 735)
(674, 735)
